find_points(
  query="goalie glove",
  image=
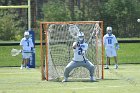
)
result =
(117, 47)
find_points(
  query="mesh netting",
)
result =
(60, 51)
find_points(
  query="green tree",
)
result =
(10, 26)
(121, 15)
(56, 11)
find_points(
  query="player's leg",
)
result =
(68, 69)
(107, 62)
(108, 54)
(91, 69)
(27, 62)
(22, 64)
(27, 59)
(23, 61)
(116, 62)
(115, 58)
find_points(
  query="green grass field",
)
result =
(124, 80)
(129, 53)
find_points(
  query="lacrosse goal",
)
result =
(56, 48)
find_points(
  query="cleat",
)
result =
(116, 66)
(92, 79)
(27, 67)
(21, 67)
(106, 68)
(65, 79)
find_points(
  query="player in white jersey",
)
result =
(79, 58)
(111, 45)
(27, 48)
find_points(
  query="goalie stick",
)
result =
(96, 29)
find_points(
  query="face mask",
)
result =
(109, 33)
(81, 39)
(27, 37)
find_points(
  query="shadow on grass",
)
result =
(73, 80)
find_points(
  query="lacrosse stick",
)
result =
(94, 33)
(15, 52)
(74, 30)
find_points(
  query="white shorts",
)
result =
(26, 55)
(110, 51)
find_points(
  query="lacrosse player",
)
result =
(111, 45)
(27, 47)
(79, 59)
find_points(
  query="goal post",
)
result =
(21, 6)
(56, 48)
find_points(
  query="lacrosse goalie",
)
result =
(27, 48)
(79, 59)
(111, 45)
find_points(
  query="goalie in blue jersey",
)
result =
(79, 59)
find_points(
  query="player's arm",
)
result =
(104, 40)
(116, 43)
(32, 46)
(21, 44)
(75, 44)
(117, 46)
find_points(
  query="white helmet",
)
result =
(80, 34)
(81, 37)
(109, 30)
(26, 34)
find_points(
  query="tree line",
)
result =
(122, 15)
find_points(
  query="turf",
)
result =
(128, 53)
(124, 80)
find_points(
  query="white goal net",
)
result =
(56, 48)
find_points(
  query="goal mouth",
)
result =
(56, 39)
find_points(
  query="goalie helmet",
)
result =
(80, 37)
(26, 34)
(109, 31)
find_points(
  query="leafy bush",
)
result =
(10, 26)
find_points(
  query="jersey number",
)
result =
(80, 51)
(27, 43)
(109, 41)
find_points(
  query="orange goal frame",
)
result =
(43, 29)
